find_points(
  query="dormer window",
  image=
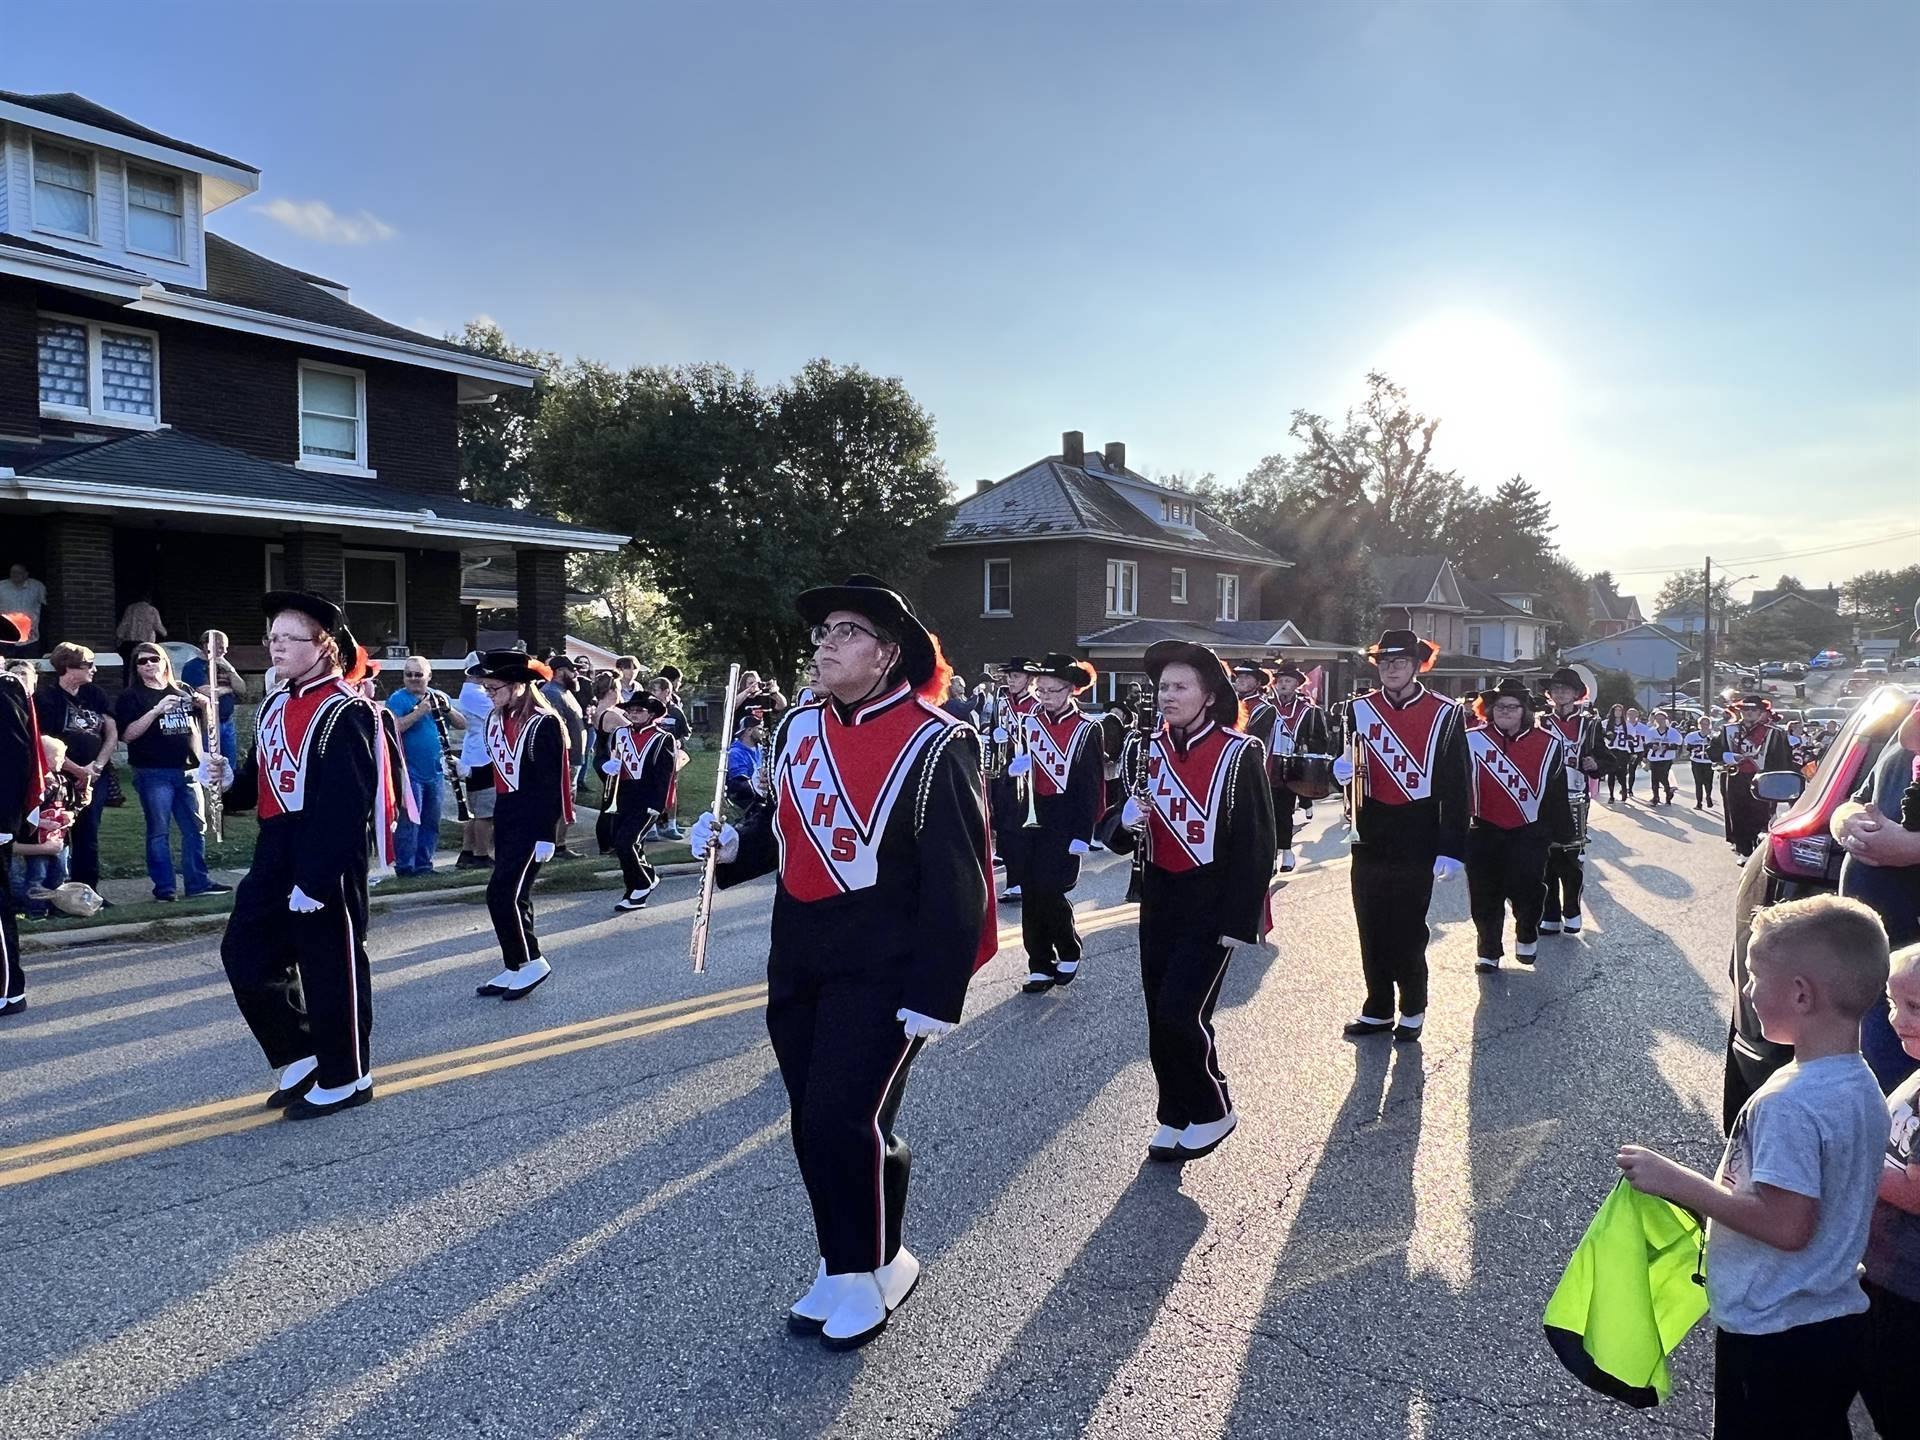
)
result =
(1176, 512)
(63, 190)
(154, 213)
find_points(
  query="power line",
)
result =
(1781, 555)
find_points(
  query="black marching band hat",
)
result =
(1754, 698)
(1252, 667)
(1394, 643)
(640, 700)
(869, 596)
(513, 666)
(1510, 688)
(1076, 673)
(1224, 706)
(1288, 670)
(1570, 679)
(328, 616)
(1013, 665)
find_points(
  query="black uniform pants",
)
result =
(1284, 804)
(1661, 776)
(1390, 899)
(1702, 783)
(1181, 966)
(845, 1058)
(1047, 928)
(636, 873)
(1566, 878)
(1506, 867)
(13, 980)
(510, 893)
(303, 981)
(1620, 768)
(1746, 814)
(1793, 1384)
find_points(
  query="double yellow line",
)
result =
(40, 1159)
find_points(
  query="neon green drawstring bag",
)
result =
(1632, 1290)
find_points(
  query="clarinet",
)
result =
(449, 762)
(1141, 788)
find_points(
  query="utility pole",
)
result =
(1706, 639)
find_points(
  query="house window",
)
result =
(333, 406)
(377, 597)
(1473, 639)
(1177, 512)
(90, 371)
(62, 190)
(1123, 587)
(1227, 590)
(998, 599)
(1179, 586)
(153, 213)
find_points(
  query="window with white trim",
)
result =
(1473, 639)
(1179, 586)
(333, 410)
(1123, 587)
(91, 371)
(154, 211)
(63, 190)
(997, 587)
(1226, 591)
(1176, 512)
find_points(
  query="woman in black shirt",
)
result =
(77, 711)
(160, 720)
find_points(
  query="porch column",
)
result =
(542, 581)
(316, 565)
(79, 579)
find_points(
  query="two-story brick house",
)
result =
(1075, 552)
(1478, 632)
(184, 419)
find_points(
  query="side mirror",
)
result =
(1779, 787)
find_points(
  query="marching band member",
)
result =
(641, 776)
(1064, 766)
(22, 782)
(324, 773)
(1753, 744)
(1703, 743)
(1207, 828)
(1300, 728)
(527, 748)
(1250, 682)
(1618, 730)
(1411, 829)
(882, 913)
(1520, 808)
(1636, 757)
(1664, 741)
(1585, 754)
(1004, 794)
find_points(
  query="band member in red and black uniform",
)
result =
(883, 911)
(324, 774)
(1064, 763)
(1519, 809)
(1754, 742)
(1208, 834)
(1411, 829)
(1584, 751)
(640, 784)
(1299, 728)
(1007, 795)
(533, 793)
(22, 781)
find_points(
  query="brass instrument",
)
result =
(216, 805)
(992, 755)
(1025, 747)
(1357, 786)
(703, 907)
(1140, 785)
(450, 762)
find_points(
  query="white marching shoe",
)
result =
(1570, 925)
(859, 1313)
(1287, 862)
(1487, 964)
(811, 1310)
(1197, 1139)
(898, 1277)
(1525, 950)
(526, 978)
(1549, 927)
(1164, 1144)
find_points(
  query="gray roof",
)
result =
(1051, 499)
(1609, 605)
(1647, 631)
(34, 247)
(1407, 580)
(1826, 599)
(1482, 601)
(66, 105)
(1220, 634)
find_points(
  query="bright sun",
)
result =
(1496, 393)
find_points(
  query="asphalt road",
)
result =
(579, 1215)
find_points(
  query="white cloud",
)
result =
(317, 220)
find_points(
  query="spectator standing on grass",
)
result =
(414, 706)
(160, 720)
(78, 711)
(560, 694)
(228, 685)
(140, 624)
(476, 836)
(626, 669)
(21, 594)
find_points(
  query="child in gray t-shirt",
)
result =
(1788, 1210)
(1893, 1248)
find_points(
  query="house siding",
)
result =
(110, 210)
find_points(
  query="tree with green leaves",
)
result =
(1682, 592)
(496, 439)
(1883, 598)
(1788, 631)
(1508, 535)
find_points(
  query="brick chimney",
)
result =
(1115, 452)
(1073, 447)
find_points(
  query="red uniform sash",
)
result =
(1053, 744)
(1510, 776)
(1402, 744)
(1190, 788)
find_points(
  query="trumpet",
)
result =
(1357, 786)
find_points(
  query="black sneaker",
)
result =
(210, 890)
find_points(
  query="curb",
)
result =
(164, 929)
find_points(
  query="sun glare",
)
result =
(1495, 392)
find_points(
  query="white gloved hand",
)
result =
(1445, 867)
(919, 1027)
(1343, 771)
(1078, 847)
(463, 769)
(207, 774)
(1729, 757)
(612, 767)
(1000, 736)
(6, 839)
(302, 903)
(703, 833)
(1131, 815)
(1019, 765)
(542, 851)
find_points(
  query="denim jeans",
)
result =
(173, 796)
(413, 845)
(47, 872)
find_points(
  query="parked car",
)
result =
(1820, 714)
(1912, 662)
(1872, 665)
(1772, 669)
(1862, 681)
(1828, 660)
(1798, 859)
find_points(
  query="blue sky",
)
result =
(1662, 259)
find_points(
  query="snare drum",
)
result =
(1308, 776)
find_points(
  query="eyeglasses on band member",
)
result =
(841, 631)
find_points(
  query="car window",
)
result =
(1870, 722)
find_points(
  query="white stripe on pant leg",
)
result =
(880, 1162)
(353, 983)
(1208, 1062)
(526, 940)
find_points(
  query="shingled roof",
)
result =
(66, 105)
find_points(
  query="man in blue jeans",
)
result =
(413, 709)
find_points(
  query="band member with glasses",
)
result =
(882, 913)
(533, 793)
(1519, 809)
(1585, 754)
(640, 783)
(1207, 829)
(325, 775)
(1411, 829)
(1063, 763)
